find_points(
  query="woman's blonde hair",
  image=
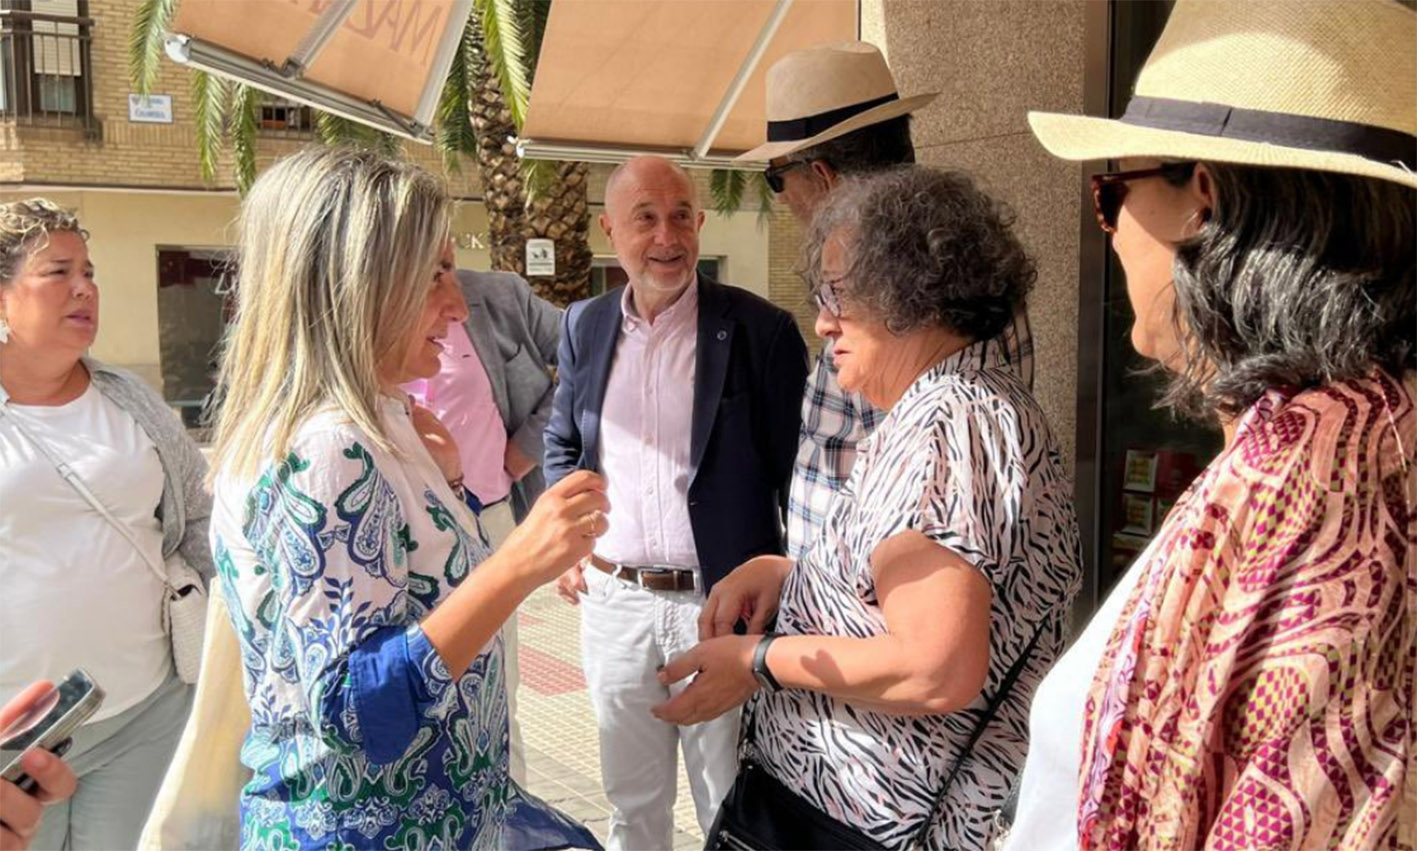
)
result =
(25, 227)
(337, 252)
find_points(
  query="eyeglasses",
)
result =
(826, 297)
(1109, 189)
(773, 175)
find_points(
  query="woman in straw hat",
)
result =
(1250, 682)
(361, 589)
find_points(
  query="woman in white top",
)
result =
(77, 592)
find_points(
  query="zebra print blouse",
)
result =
(965, 457)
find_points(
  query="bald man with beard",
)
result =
(684, 393)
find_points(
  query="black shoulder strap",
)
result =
(923, 834)
(748, 728)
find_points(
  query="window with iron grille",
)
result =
(46, 72)
(281, 116)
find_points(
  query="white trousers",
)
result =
(497, 521)
(627, 634)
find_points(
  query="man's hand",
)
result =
(750, 594)
(724, 669)
(20, 813)
(516, 462)
(572, 584)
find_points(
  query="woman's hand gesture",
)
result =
(561, 528)
(750, 594)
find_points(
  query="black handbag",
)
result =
(761, 814)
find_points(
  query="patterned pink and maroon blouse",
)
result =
(1257, 690)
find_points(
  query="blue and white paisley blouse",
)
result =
(359, 736)
(967, 459)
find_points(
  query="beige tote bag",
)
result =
(197, 804)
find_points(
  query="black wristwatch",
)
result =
(760, 665)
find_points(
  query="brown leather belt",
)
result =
(654, 577)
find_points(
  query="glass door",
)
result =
(1146, 457)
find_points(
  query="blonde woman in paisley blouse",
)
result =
(1250, 681)
(950, 555)
(361, 588)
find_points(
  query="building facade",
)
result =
(159, 233)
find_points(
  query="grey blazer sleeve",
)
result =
(543, 322)
(563, 435)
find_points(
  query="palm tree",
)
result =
(483, 104)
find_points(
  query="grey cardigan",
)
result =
(516, 335)
(185, 506)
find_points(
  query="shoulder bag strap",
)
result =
(923, 834)
(77, 483)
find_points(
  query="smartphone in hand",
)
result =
(48, 724)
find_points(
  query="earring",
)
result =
(4, 330)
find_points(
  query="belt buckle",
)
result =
(650, 570)
(669, 570)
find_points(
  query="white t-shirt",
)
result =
(76, 593)
(1047, 815)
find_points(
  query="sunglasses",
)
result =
(827, 298)
(1109, 189)
(773, 175)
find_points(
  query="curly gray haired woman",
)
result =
(937, 592)
(935, 251)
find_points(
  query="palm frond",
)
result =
(531, 17)
(456, 137)
(209, 107)
(241, 132)
(726, 190)
(388, 144)
(539, 177)
(145, 48)
(766, 199)
(505, 52)
(333, 129)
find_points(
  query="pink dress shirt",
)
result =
(645, 429)
(461, 396)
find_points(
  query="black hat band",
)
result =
(798, 129)
(1380, 144)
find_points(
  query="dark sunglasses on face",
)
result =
(1109, 189)
(773, 175)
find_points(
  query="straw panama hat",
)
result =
(823, 92)
(1328, 85)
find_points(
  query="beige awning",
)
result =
(378, 62)
(680, 78)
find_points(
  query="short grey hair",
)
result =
(926, 247)
(1297, 279)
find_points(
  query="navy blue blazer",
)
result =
(750, 370)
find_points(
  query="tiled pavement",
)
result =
(562, 754)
